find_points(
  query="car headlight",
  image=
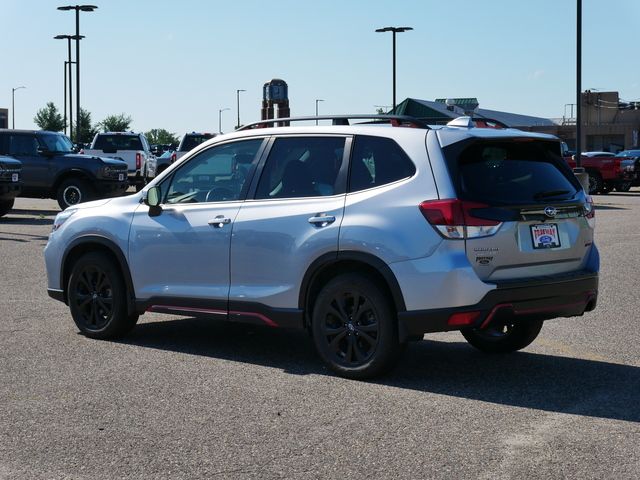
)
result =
(61, 218)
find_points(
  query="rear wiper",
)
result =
(550, 193)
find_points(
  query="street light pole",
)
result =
(13, 106)
(579, 84)
(394, 30)
(220, 118)
(68, 38)
(238, 98)
(77, 37)
(317, 100)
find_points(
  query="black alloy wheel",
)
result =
(5, 206)
(73, 191)
(354, 327)
(97, 298)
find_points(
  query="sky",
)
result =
(175, 65)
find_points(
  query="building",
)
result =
(4, 118)
(608, 123)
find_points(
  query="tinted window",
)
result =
(302, 167)
(23, 145)
(217, 174)
(4, 144)
(510, 171)
(192, 141)
(118, 142)
(56, 142)
(377, 161)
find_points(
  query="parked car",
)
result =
(630, 161)
(51, 169)
(191, 141)
(10, 171)
(131, 147)
(165, 160)
(366, 236)
(606, 171)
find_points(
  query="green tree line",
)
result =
(50, 118)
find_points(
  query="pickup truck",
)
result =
(131, 147)
(191, 141)
(606, 171)
(10, 170)
(51, 169)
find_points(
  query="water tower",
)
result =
(275, 92)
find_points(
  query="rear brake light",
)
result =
(454, 218)
(138, 160)
(589, 210)
(173, 158)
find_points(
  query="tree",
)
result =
(115, 123)
(49, 118)
(160, 136)
(84, 131)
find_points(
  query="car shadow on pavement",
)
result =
(37, 212)
(25, 221)
(529, 380)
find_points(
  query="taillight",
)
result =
(455, 219)
(81, 152)
(173, 157)
(589, 210)
(138, 160)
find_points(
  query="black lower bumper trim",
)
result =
(56, 294)
(539, 298)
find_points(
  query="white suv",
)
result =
(369, 235)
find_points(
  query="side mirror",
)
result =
(44, 151)
(153, 201)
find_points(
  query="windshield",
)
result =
(118, 142)
(629, 153)
(56, 142)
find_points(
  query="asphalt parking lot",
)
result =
(194, 398)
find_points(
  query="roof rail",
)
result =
(394, 120)
(476, 122)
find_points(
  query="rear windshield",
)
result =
(511, 171)
(192, 141)
(118, 142)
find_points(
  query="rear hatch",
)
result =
(527, 214)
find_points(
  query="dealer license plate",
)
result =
(15, 177)
(545, 235)
(120, 177)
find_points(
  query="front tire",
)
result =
(354, 327)
(623, 187)
(98, 298)
(504, 336)
(73, 191)
(5, 206)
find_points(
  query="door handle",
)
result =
(219, 222)
(322, 220)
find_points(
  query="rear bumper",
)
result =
(540, 298)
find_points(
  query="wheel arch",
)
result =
(329, 265)
(67, 174)
(92, 243)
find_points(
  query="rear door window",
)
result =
(377, 161)
(302, 167)
(510, 171)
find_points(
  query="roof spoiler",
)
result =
(476, 122)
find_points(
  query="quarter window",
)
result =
(377, 161)
(23, 145)
(217, 174)
(302, 167)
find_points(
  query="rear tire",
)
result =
(504, 337)
(595, 183)
(5, 206)
(354, 327)
(73, 191)
(623, 187)
(98, 298)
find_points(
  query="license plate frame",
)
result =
(545, 236)
(15, 177)
(121, 177)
